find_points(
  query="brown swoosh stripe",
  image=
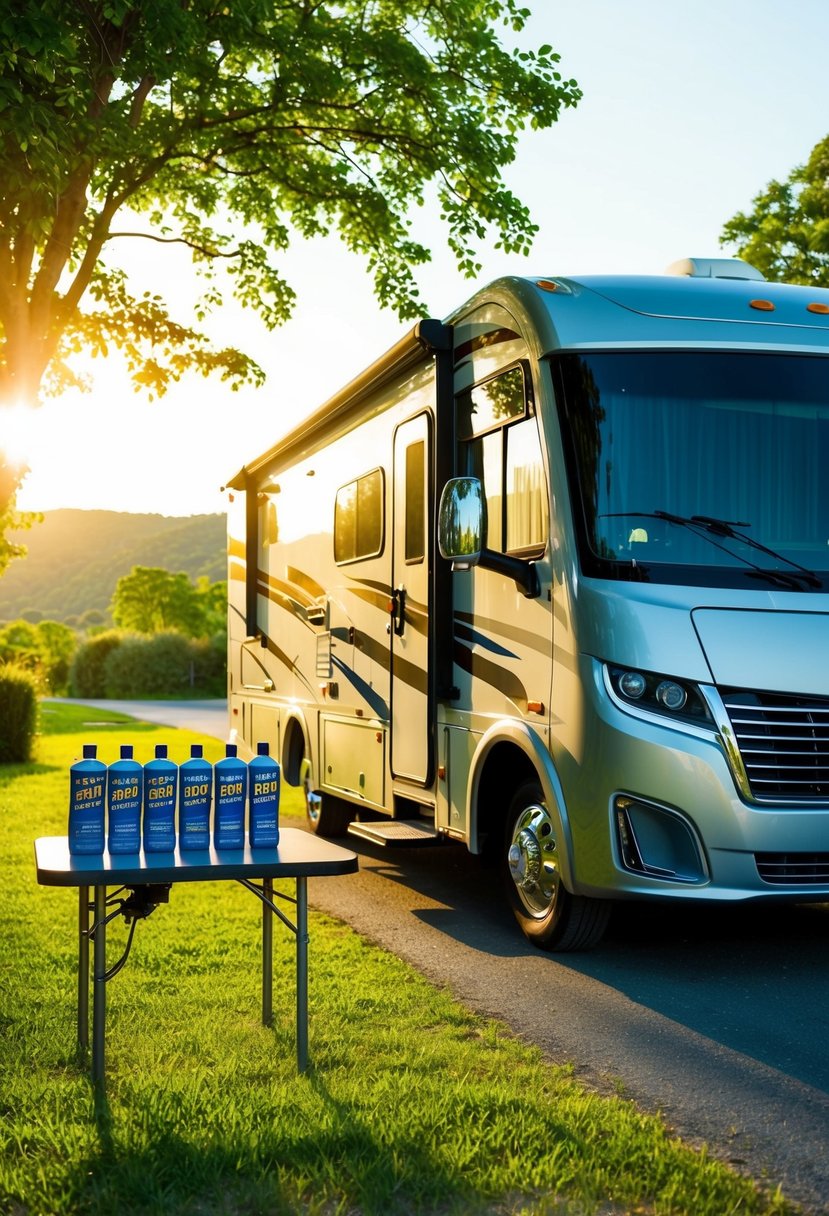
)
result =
(500, 629)
(497, 677)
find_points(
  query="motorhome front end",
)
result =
(552, 579)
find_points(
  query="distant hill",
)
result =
(75, 558)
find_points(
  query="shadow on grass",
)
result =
(11, 772)
(276, 1168)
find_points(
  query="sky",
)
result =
(689, 109)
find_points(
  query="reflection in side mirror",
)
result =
(462, 522)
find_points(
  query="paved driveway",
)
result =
(206, 717)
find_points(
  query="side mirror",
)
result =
(462, 522)
(462, 536)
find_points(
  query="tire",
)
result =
(549, 915)
(327, 816)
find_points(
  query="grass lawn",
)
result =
(412, 1104)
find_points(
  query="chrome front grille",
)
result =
(793, 869)
(783, 742)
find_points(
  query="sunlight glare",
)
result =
(17, 434)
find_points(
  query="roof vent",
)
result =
(715, 268)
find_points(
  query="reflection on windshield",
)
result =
(733, 448)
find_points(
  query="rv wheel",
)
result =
(327, 816)
(550, 917)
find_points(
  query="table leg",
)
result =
(99, 989)
(267, 954)
(302, 974)
(83, 968)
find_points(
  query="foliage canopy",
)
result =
(786, 235)
(151, 600)
(229, 129)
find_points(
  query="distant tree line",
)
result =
(168, 640)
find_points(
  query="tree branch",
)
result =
(176, 240)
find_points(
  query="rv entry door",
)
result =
(411, 737)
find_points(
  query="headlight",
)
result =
(661, 694)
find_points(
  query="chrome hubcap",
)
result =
(533, 860)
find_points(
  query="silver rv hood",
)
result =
(775, 651)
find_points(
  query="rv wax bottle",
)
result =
(230, 785)
(125, 780)
(263, 799)
(160, 803)
(87, 778)
(195, 777)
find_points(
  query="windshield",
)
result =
(709, 468)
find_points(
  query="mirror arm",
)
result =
(525, 573)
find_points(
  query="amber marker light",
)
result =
(546, 284)
(823, 309)
(762, 305)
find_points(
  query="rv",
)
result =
(550, 579)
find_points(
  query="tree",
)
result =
(44, 648)
(11, 474)
(213, 598)
(787, 233)
(151, 600)
(229, 129)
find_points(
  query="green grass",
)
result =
(412, 1105)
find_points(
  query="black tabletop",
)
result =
(298, 855)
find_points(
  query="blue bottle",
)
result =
(230, 784)
(160, 803)
(125, 781)
(195, 778)
(87, 779)
(263, 797)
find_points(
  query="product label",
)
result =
(159, 788)
(86, 791)
(194, 792)
(122, 793)
(86, 812)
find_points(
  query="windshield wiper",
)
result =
(728, 528)
(709, 527)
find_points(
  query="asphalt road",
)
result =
(206, 717)
(717, 1017)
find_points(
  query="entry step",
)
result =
(397, 833)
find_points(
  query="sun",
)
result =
(17, 435)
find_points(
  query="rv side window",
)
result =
(526, 497)
(415, 522)
(507, 460)
(492, 403)
(358, 518)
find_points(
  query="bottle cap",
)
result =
(230, 749)
(196, 751)
(126, 751)
(263, 749)
(90, 751)
(161, 751)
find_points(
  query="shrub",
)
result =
(86, 675)
(210, 666)
(166, 664)
(18, 714)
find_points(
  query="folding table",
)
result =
(148, 878)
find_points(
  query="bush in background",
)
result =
(86, 675)
(45, 648)
(18, 714)
(210, 664)
(166, 664)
